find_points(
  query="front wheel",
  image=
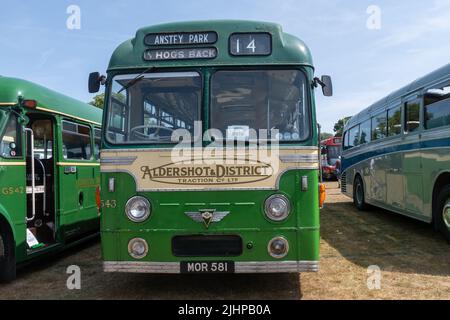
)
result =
(7, 257)
(358, 194)
(442, 212)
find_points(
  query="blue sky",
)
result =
(35, 43)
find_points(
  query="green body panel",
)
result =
(247, 217)
(13, 203)
(72, 220)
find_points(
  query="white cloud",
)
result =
(434, 20)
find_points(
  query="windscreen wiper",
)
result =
(138, 78)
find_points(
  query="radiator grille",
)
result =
(207, 246)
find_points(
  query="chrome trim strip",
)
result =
(119, 161)
(295, 158)
(300, 148)
(240, 267)
(141, 267)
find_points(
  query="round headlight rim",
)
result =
(275, 256)
(288, 212)
(128, 211)
(130, 244)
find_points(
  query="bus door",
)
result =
(412, 157)
(40, 183)
(79, 177)
(395, 195)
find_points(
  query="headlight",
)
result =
(138, 209)
(277, 207)
(278, 247)
(137, 248)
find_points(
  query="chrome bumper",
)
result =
(240, 267)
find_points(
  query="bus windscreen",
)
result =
(150, 110)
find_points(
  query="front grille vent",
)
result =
(344, 182)
(207, 246)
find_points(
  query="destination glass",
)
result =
(148, 108)
(261, 99)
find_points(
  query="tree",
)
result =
(98, 101)
(339, 126)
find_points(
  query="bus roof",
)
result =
(286, 49)
(433, 78)
(47, 100)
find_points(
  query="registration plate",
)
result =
(207, 267)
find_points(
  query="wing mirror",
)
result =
(95, 80)
(327, 85)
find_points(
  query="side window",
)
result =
(11, 144)
(353, 137)
(97, 142)
(379, 126)
(365, 132)
(345, 143)
(412, 115)
(76, 141)
(437, 107)
(394, 121)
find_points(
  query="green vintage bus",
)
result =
(397, 152)
(211, 83)
(49, 172)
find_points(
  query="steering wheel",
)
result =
(152, 136)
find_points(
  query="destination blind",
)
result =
(180, 54)
(182, 38)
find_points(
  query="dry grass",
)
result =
(414, 260)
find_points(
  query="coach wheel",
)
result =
(7, 257)
(442, 212)
(358, 194)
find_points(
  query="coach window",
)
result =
(379, 126)
(437, 107)
(394, 121)
(412, 115)
(76, 141)
(353, 137)
(365, 132)
(345, 140)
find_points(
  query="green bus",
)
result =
(396, 153)
(49, 172)
(212, 89)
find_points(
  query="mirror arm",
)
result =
(317, 82)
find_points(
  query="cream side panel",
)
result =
(158, 170)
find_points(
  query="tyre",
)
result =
(7, 256)
(358, 194)
(441, 212)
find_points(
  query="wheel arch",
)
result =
(6, 223)
(442, 180)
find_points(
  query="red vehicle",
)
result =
(331, 157)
